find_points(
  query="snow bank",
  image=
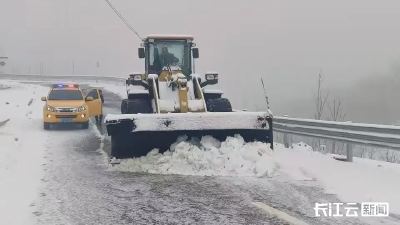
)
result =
(361, 181)
(22, 145)
(206, 157)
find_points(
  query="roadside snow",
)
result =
(22, 145)
(207, 157)
(361, 181)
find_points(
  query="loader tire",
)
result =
(219, 105)
(136, 106)
(124, 106)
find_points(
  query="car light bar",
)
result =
(65, 86)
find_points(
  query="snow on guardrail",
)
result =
(352, 133)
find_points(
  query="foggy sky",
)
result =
(284, 42)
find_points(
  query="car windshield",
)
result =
(65, 95)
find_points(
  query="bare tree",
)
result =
(341, 148)
(320, 100)
(337, 114)
(336, 110)
(363, 150)
(390, 156)
(371, 153)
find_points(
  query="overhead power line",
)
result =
(123, 19)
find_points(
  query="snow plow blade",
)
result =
(134, 135)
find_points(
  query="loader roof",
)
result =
(169, 36)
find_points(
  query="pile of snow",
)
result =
(363, 180)
(206, 157)
(22, 145)
(2, 86)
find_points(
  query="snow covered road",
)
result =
(78, 186)
(22, 148)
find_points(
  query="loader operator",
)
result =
(169, 58)
(162, 60)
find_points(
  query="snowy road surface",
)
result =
(78, 186)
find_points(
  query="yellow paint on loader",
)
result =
(165, 74)
(155, 94)
(183, 99)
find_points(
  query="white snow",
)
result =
(361, 181)
(22, 145)
(367, 138)
(168, 36)
(177, 76)
(172, 67)
(136, 89)
(210, 91)
(206, 157)
(196, 105)
(349, 123)
(152, 76)
(375, 134)
(168, 105)
(169, 100)
(116, 89)
(194, 121)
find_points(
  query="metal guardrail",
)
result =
(352, 133)
(64, 78)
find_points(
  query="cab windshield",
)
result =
(170, 54)
(65, 95)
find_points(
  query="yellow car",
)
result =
(65, 103)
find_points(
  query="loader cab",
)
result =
(168, 53)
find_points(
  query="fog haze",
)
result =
(286, 43)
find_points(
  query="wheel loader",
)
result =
(170, 100)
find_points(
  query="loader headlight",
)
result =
(81, 108)
(136, 77)
(212, 76)
(50, 108)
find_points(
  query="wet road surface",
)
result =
(78, 188)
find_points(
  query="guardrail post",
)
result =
(349, 147)
(286, 140)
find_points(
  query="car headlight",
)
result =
(81, 108)
(50, 108)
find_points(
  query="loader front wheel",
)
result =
(219, 105)
(124, 106)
